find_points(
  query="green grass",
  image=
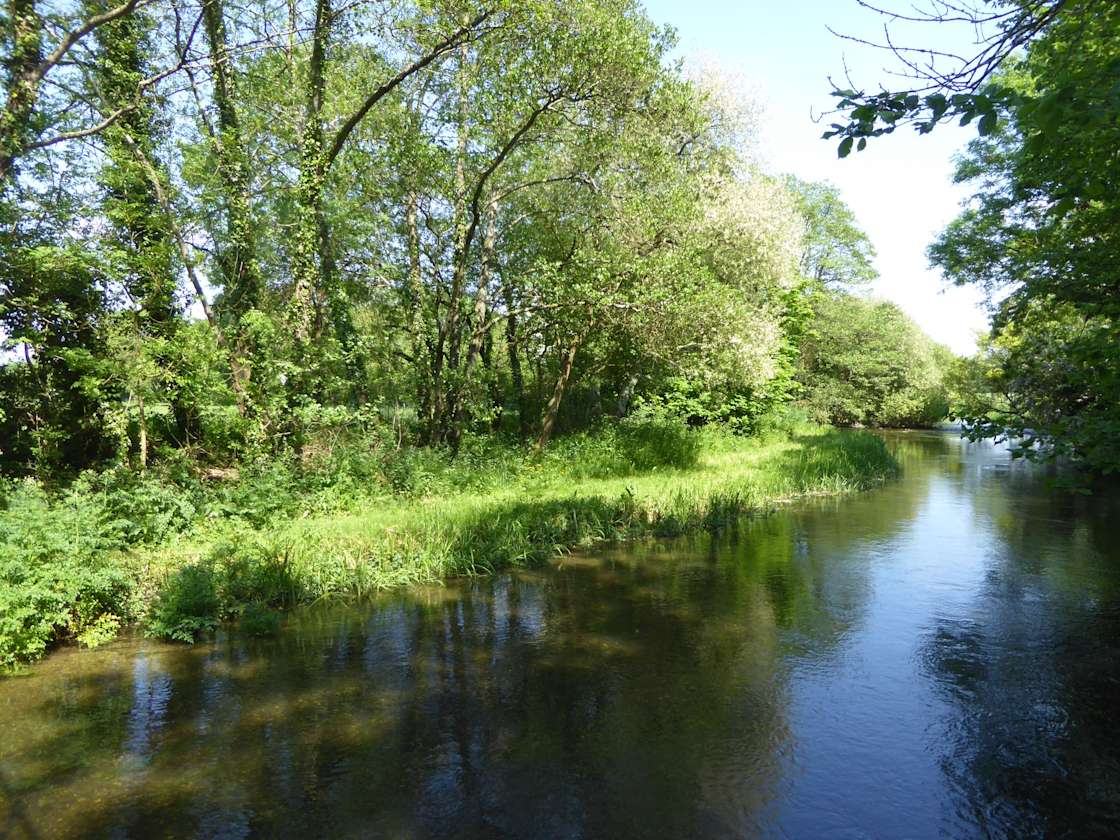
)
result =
(538, 511)
(416, 517)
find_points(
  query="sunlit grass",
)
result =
(539, 511)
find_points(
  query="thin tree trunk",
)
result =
(494, 386)
(449, 338)
(513, 351)
(143, 435)
(479, 319)
(416, 313)
(548, 423)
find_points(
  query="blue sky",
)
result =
(899, 187)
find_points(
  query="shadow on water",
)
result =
(937, 656)
(621, 694)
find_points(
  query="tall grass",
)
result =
(391, 518)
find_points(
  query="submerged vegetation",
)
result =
(180, 555)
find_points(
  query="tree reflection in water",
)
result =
(940, 656)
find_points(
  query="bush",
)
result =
(187, 605)
(641, 443)
(650, 442)
(58, 576)
(130, 509)
(258, 620)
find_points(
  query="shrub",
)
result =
(58, 576)
(258, 620)
(187, 605)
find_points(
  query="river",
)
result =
(937, 658)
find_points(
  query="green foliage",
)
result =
(259, 620)
(58, 576)
(436, 254)
(644, 442)
(545, 209)
(187, 605)
(523, 516)
(835, 252)
(867, 363)
(198, 553)
(1048, 383)
(973, 90)
(1039, 234)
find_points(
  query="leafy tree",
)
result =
(867, 363)
(1039, 235)
(835, 253)
(243, 230)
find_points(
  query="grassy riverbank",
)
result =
(180, 554)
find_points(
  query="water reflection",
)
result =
(938, 657)
(1031, 666)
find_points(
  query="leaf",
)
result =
(987, 123)
(845, 148)
(938, 104)
(862, 144)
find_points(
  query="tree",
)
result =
(1039, 235)
(835, 253)
(867, 363)
(459, 218)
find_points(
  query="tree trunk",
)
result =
(238, 260)
(497, 404)
(307, 248)
(548, 423)
(513, 352)
(143, 434)
(625, 395)
(480, 327)
(23, 83)
(416, 327)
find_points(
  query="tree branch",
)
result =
(449, 43)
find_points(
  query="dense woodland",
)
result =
(236, 230)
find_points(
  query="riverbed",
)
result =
(938, 657)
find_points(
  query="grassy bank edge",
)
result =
(188, 587)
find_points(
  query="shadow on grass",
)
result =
(249, 577)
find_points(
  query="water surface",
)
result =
(940, 657)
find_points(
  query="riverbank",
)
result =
(180, 558)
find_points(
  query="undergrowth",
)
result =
(181, 552)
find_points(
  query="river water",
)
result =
(938, 658)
